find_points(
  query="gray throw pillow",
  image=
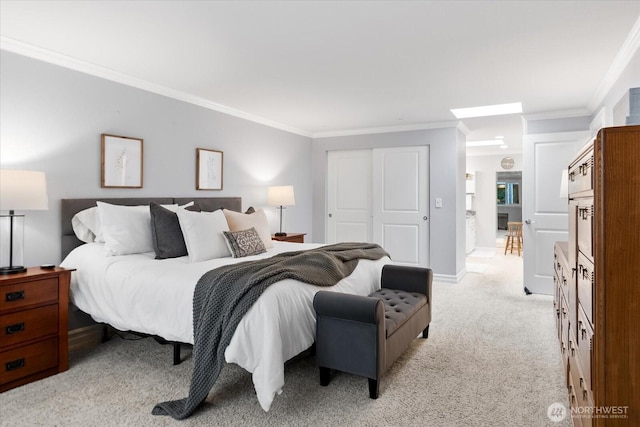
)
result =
(244, 243)
(166, 233)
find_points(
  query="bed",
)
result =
(137, 292)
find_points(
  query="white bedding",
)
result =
(139, 293)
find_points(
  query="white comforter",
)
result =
(140, 293)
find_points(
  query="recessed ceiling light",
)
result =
(499, 137)
(485, 143)
(487, 110)
(503, 146)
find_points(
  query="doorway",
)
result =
(508, 190)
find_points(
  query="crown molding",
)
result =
(46, 55)
(560, 114)
(625, 54)
(389, 129)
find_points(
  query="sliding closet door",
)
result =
(401, 203)
(349, 196)
(381, 196)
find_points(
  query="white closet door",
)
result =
(401, 203)
(349, 196)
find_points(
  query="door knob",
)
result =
(529, 221)
(424, 218)
(330, 215)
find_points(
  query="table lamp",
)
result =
(20, 191)
(281, 196)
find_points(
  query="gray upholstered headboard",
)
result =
(69, 207)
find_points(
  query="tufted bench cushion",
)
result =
(398, 307)
(364, 335)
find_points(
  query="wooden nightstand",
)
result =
(290, 237)
(33, 325)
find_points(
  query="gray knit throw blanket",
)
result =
(222, 297)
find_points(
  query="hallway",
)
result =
(497, 267)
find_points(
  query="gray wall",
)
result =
(447, 181)
(51, 120)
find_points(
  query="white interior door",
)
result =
(544, 212)
(401, 203)
(349, 180)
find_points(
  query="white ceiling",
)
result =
(322, 67)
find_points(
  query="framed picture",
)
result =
(121, 162)
(208, 169)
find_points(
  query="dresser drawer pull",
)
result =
(14, 364)
(14, 296)
(12, 329)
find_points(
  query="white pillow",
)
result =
(238, 221)
(86, 225)
(203, 235)
(125, 229)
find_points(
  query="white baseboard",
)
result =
(450, 278)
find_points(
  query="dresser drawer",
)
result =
(557, 302)
(585, 346)
(586, 277)
(564, 329)
(28, 293)
(28, 324)
(581, 173)
(27, 360)
(584, 222)
(572, 385)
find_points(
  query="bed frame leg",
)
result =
(176, 353)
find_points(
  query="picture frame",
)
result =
(209, 171)
(121, 161)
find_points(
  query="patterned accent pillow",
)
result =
(244, 243)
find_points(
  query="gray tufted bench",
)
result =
(365, 335)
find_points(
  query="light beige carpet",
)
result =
(492, 359)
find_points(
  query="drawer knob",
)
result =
(14, 364)
(12, 329)
(14, 296)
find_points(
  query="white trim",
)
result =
(599, 121)
(389, 129)
(556, 136)
(560, 114)
(65, 61)
(449, 278)
(625, 54)
(463, 128)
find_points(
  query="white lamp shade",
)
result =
(23, 190)
(281, 196)
(564, 184)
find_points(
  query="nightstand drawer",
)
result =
(28, 293)
(28, 324)
(27, 360)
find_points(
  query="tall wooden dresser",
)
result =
(597, 295)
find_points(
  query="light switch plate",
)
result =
(438, 202)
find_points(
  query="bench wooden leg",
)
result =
(425, 333)
(325, 376)
(374, 388)
(176, 353)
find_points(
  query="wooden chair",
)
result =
(514, 237)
